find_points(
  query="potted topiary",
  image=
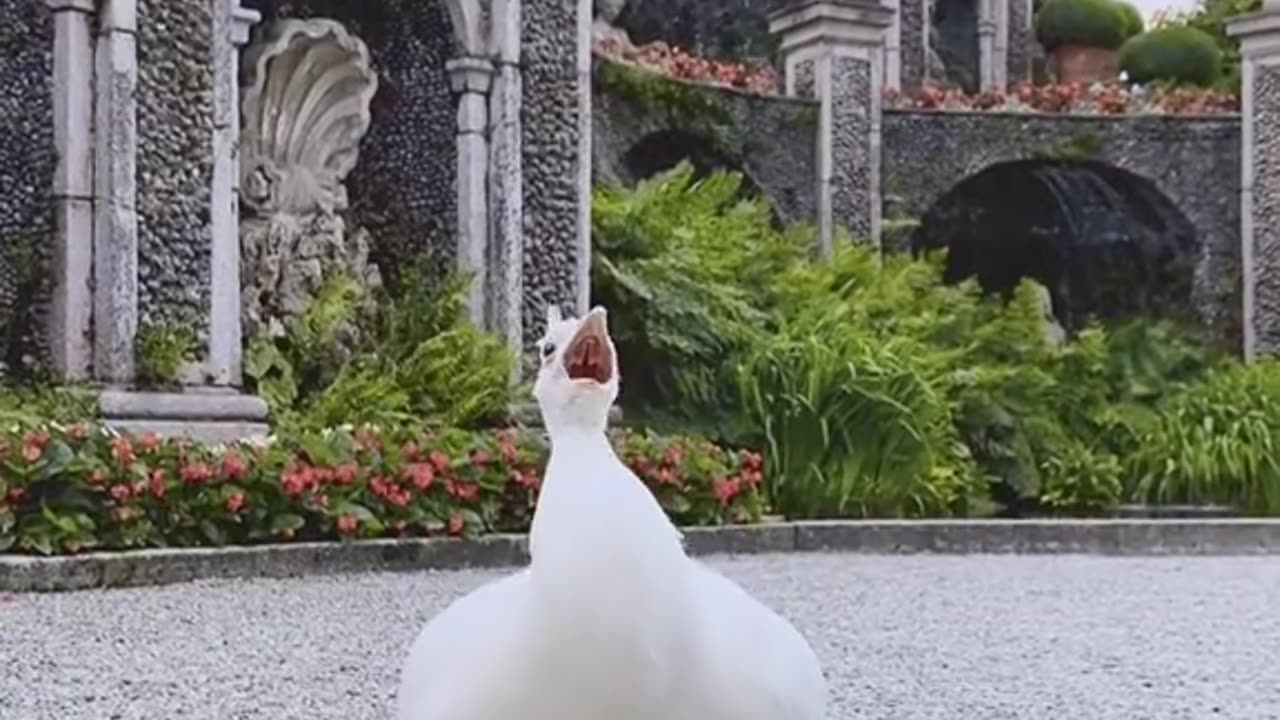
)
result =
(1081, 38)
(1181, 55)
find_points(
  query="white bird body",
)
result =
(611, 620)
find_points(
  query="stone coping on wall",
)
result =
(1025, 114)
(1215, 536)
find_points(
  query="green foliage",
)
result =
(1091, 23)
(1175, 54)
(1210, 17)
(1215, 442)
(685, 268)
(163, 348)
(876, 388)
(417, 359)
(1133, 22)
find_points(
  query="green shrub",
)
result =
(1133, 22)
(1091, 23)
(1079, 480)
(1215, 443)
(1211, 16)
(1176, 54)
(420, 360)
(686, 268)
(163, 348)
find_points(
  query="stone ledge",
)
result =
(1094, 537)
(194, 405)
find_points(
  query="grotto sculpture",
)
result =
(307, 88)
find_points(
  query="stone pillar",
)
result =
(1259, 35)
(115, 238)
(72, 301)
(231, 25)
(986, 44)
(582, 168)
(1000, 45)
(913, 43)
(505, 291)
(833, 50)
(893, 48)
(471, 77)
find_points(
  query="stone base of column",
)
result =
(203, 414)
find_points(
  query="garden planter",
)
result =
(1086, 65)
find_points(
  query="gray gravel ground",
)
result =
(910, 638)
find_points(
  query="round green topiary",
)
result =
(1133, 23)
(1091, 23)
(1177, 54)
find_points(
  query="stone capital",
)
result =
(242, 21)
(1259, 32)
(803, 23)
(84, 6)
(470, 74)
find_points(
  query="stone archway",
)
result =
(664, 149)
(1106, 242)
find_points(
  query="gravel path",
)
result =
(908, 638)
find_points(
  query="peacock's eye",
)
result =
(548, 349)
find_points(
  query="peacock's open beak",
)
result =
(589, 355)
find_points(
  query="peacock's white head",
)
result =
(578, 378)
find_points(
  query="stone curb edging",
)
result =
(1229, 536)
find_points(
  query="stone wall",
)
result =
(1022, 42)
(174, 164)
(550, 135)
(769, 139)
(1195, 162)
(402, 189)
(27, 160)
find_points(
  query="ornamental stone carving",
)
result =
(306, 91)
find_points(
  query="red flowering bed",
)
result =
(1075, 98)
(65, 490)
(676, 63)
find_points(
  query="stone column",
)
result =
(231, 24)
(893, 48)
(471, 77)
(72, 301)
(505, 291)
(1000, 45)
(833, 50)
(913, 43)
(986, 44)
(115, 239)
(1259, 35)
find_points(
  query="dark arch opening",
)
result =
(1107, 243)
(661, 151)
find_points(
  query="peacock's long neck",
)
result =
(599, 540)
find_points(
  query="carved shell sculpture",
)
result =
(307, 87)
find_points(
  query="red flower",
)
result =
(420, 474)
(122, 451)
(465, 491)
(346, 474)
(17, 495)
(235, 502)
(440, 461)
(151, 442)
(480, 458)
(508, 451)
(674, 456)
(410, 451)
(347, 524)
(98, 477)
(727, 490)
(234, 467)
(457, 525)
(120, 493)
(33, 448)
(196, 473)
(159, 483)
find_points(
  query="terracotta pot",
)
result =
(1077, 63)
